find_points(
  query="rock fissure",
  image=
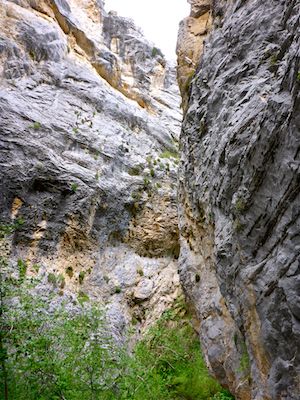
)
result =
(114, 205)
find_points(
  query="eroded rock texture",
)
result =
(89, 122)
(193, 31)
(239, 198)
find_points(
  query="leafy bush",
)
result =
(47, 353)
(168, 365)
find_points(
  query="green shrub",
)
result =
(22, 266)
(146, 182)
(52, 355)
(134, 171)
(82, 297)
(81, 277)
(240, 205)
(8, 229)
(156, 52)
(74, 187)
(69, 271)
(36, 268)
(52, 279)
(167, 364)
(36, 126)
(118, 289)
(169, 154)
(61, 282)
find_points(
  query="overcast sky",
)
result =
(159, 19)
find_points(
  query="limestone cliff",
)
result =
(239, 197)
(192, 33)
(89, 124)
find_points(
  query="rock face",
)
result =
(192, 32)
(239, 198)
(89, 123)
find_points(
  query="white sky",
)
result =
(159, 19)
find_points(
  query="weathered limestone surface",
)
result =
(239, 198)
(191, 36)
(87, 108)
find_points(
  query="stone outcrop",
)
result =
(239, 198)
(89, 124)
(192, 33)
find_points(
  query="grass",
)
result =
(22, 266)
(134, 171)
(82, 297)
(168, 365)
(169, 154)
(240, 205)
(52, 278)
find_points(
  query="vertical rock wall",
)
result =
(239, 198)
(89, 125)
(192, 33)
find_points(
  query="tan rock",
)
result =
(192, 32)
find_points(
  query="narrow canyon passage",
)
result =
(144, 204)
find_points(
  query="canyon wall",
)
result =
(89, 125)
(239, 202)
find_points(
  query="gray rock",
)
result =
(86, 111)
(239, 198)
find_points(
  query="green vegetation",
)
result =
(81, 277)
(69, 271)
(52, 279)
(74, 187)
(188, 81)
(36, 125)
(61, 281)
(240, 205)
(273, 59)
(156, 52)
(134, 171)
(22, 266)
(83, 121)
(8, 229)
(298, 76)
(47, 353)
(169, 154)
(118, 289)
(238, 226)
(168, 365)
(245, 359)
(82, 297)
(146, 182)
(140, 271)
